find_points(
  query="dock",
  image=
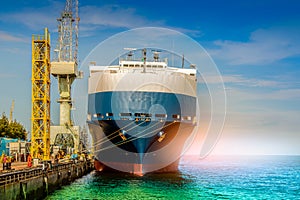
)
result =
(53, 149)
(22, 182)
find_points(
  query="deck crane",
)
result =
(64, 68)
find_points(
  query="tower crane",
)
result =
(64, 68)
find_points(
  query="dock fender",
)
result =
(69, 175)
(23, 187)
(46, 184)
(59, 178)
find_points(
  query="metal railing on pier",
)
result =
(27, 173)
(20, 175)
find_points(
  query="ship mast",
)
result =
(144, 59)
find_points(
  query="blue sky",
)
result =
(255, 44)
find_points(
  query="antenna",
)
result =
(130, 53)
(144, 58)
(156, 55)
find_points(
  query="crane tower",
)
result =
(64, 68)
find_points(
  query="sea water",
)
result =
(215, 177)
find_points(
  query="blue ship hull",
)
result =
(140, 131)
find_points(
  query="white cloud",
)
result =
(242, 81)
(274, 122)
(237, 94)
(251, 82)
(265, 46)
(112, 16)
(292, 94)
(35, 18)
(92, 18)
(7, 37)
(189, 32)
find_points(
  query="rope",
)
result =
(113, 133)
(106, 139)
(118, 134)
(134, 138)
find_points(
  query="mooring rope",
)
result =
(117, 131)
(134, 138)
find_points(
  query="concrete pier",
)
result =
(37, 183)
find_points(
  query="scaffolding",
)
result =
(40, 110)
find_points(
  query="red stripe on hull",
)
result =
(137, 169)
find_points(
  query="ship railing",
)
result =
(141, 60)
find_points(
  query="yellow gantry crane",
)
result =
(40, 110)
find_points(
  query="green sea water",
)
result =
(249, 177)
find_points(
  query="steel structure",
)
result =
(65, 68)
(67, 45)
(40, 110)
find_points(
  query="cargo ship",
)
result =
(141, 112)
